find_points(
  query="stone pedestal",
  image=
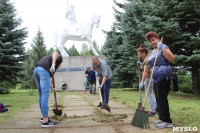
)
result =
(72, 71)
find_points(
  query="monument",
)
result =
(75, 32)
(72, 70)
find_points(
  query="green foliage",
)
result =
(85, 51)
(177, 21)
(50, 51)
(185, 83)
(73, 51)
(3, 90)
(11, 43)
(38, 51)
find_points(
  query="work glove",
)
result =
(100, 86)
(96, 74)
(52, 88)
(141, 86)
(52, 69)
(160, 46)
(139, 63)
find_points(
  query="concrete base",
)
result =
(72, 71)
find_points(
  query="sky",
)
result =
(49, 16)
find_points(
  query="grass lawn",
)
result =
(184, 108)
(16, 101)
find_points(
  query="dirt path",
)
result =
(82, 116)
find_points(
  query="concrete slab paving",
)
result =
(82, 116)
(71, 108)
(78, 112)
(100, 129)
(25, 130)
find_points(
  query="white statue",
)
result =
(82, 32)
(70, 15)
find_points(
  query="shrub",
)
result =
(184, 83)
(3, 90)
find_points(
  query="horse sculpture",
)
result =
(77, 33)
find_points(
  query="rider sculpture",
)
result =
(76, 32)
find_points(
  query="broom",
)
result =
(140, 103)
(141, 117)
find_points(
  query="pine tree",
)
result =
(177, 21)
(50, 51)
(84, 50)
(38, 51)
(12, 48)
(73, 51)
(90, 53)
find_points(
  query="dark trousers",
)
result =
(105, 90)
(175, 85)
(161, 90)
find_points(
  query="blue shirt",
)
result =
(92, 76)
(162, 68)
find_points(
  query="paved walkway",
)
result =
(80, 115)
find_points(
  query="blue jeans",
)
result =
(105, 90)
(86, 83)
(42, 80)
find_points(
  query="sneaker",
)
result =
(41, 119)
(164, 125)
(151, 114)
(49, 124)
(102, 107)
(99, 105)
(158, 122)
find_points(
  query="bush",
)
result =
(184, 83)
(3, 90)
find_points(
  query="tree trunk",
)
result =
(195, 80)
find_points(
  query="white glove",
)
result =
(141, 86)
(52, 88)
(52, 69)
(100, 86)
(96, 74)
(160, 46)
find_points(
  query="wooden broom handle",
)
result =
(99, 89)
(151, 75)
(139, 79)
(55, 90)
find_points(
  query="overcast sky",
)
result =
(50, 14)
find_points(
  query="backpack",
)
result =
(3, 108)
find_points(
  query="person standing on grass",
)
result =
(143, 53)
(175, 81)
(92, 81)
(105, 74)
(86, 79)
(161, 77)
(42, 73)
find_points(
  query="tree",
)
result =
(12, 48)
(177, 21)
(84, 50)
(38, 51)
(95, 47)
(73, 51)
(50, 51)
